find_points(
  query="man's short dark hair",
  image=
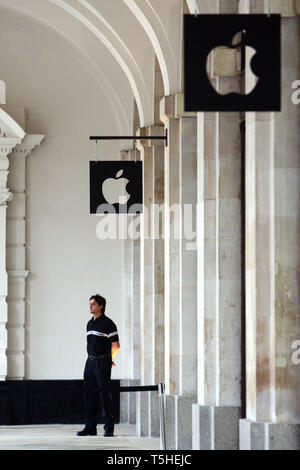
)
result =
(100, 301)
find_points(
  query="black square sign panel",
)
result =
(116, 187)
(204, 33)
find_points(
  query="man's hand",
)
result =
(115, 347)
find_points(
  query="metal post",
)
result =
(162, 416)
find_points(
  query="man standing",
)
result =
(102, 346)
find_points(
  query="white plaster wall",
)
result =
(67, 262)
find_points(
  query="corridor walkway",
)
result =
(63, 437)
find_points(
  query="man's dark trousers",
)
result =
(97, 379)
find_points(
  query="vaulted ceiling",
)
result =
(114, 40)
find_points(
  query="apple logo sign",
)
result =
(116, 187)
(256, 38)
(245, 56)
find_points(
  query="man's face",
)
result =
(95, 308)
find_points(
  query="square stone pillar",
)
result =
(131, 331)
(272, 264)
(147, 263)
(180, 271)
(136, 304)
(157, 223)
(171, 266)
(158, 256)
(219, 282)
(216, 427)
(128, 402)
(219, 276)
(269, 436)
(188, 256)
(152, 287)
(142, 414)
(132, 312)
(179, 421)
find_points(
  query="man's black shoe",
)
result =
(86, 432)
(108, 434)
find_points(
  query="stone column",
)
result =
(136, 252)
(6, 146)
(131, 316)
(147, 264)
(128, 294)
(158, 275)
(146, 285)
(216, 415)
(171, 247)
(16, 257)
(152, 312)
(127, 320)
(147, 411)
(180, 271)
(272, 264)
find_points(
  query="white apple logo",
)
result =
(114, 189)
(220, 51)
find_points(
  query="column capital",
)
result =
(148, 132)
(140, 144)
(7, 144)
(29, 142)
(167, 108)
(172, 106)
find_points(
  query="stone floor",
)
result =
(63, 437)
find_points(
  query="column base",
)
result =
(147, 412)
(216, 427)
(269, 436)
(142, 414)
(154, 414)
(128, 402)
(179, 421)
(124, 402)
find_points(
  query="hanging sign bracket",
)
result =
(130, 137)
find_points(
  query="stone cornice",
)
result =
(7, 145)
(29, 142)
(172, 106)
(141, 132)
(167, 108)
(22, 146)
(148, 132)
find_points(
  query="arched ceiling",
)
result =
(116, 41)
